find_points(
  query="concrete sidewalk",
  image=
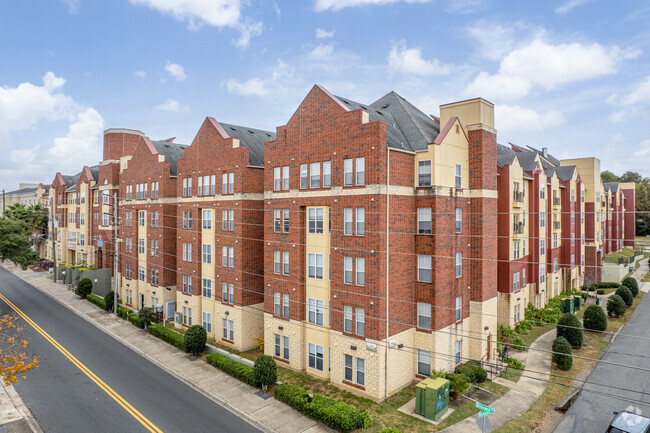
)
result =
(523, 394)
(268, 415)
(15, 417)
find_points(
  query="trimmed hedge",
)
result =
(472, 372)
(562, 354)
(121, 311)
(195, 338)
(233, 368)
(600, 291)
(134, 319)
(570, 328)
(334, 414)
(607, 285)
(595, 318)
(514, 363)
(631, 284)
(85, 287)
(96, 300)
(167, 335)
(616, 306)
(625, 293)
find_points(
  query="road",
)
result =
(102, 386)
(593, 412)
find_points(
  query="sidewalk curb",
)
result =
(22, 409)
(225, 404)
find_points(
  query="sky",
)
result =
(569, 75)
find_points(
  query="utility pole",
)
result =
(115, 255)
(3, 202)
(53, 239)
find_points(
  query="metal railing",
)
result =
(518, 196)
(518, 228)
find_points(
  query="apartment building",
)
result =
(220, 223)
(147, 218)
(383, 207)
(27, 194)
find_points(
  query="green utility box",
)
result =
(577, 302)
(567, 305)
(432, 398)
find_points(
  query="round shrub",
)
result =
(84, 287)
(569, 327)
(600, 291)
(195, 339)
(616, 306)
(518, 344)
(595, 318)
(108, 299)
(626, 295)
(631, 284)
(146, 316)
(265, 371)
(472, 372)
(593, 287)
(562, 354)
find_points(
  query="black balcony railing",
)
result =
(556, 201)
(518, 196)
(518, 228)
(556, 225)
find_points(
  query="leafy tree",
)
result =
(616, 306)
(608, 176)
(595, 318)
(109, 299)
(570, 328)
(34, 216)
(625, 294)
(631, 284)
(631, 176)
(146, 316)
(195, 339)
(265, 371)
(85, 287)
(13, 359)
(14, 243)
(562, 354)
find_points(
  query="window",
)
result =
(315, 266)
(542, 191)
(517, 311)
(316, 220)
(424, 173)
(141, 246)
(316, 307)
(424, 268)
(187, 252)
(348, 225)
(347, 172)
(224, 257)
(207, 288)
(207, 322)
(285, 305)
(304, 178)
(278, 349)
(231, 185)
(207, 219)
(276, 303)
(554, 265)
(573, 261)
(285, 262)
(523, 277)
(542, 219)
(224, 183)
(360, 372)
(207, 254)
(582, 261)
(347, 319)
(348, 368)
(515, 250)
(285, 178)
(315, 357)
(154, 248)
(361, 321)
(327, 174)
(458, 346)
(82, 218)
(231, 257)
(424, 220)
(285, 343)
(457, 177)
(361, 271)
(276, 262)
(424, 315)
(228, 330)
(361, 221)
(542, 273)
(361, 171)
(459, 308)
(285, 220)
(424, 362)
(515, 282)
(184, 187)
(347, 270)
(314, 175)
(459, 264)
(213, 184)
(82, 239)
(141, 218)
(459, 220)
(277, 221)
(277, 178)
(224, 219)
(542, 246)
(141, 273)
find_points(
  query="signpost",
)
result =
(483, 421)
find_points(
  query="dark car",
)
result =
(628, 422)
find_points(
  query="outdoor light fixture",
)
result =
(280, 328)
(399, 346)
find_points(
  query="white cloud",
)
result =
(495, 40)
(638, 95)
(82, 139)
(566, 7)
(517, 118)
(409, 61)
(258, 86)
(324, 34)
(73, 6)
(252, 87)
(24, 156)
(550, 66)
(321, 53)
(170, 105)
(643, 153)
(464, 6)
(335, 5)
(176, 71)
(217, 13)
(486, 85)
(140, 74)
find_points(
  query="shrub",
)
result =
(134, 319)
(593, 287)
(109, 299)
(616, 306)
(514, 363)
(562, 354)
(524, 327)
(96, 300)
(504, 332)
(233, 368)
(625, 293)
(195, 339)
(121, 311)
(607, 285)
(265, 371)
(84, 287)
(146, 316)
(472, 372)
(631, 284)
(457, 384)
(167, 335)
(518, 344)
(390, 430)
(600, 291)
(595, 318)
(570, 328)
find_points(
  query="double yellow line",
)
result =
(114, 395)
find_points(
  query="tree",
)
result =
(13, 359)
(595, 318)
(195, 339)
(146, 316)
(14, 243)
(608, 176)
(631, 284)
(569, 327)
(85, 287)
(562, 354)
(265, 371)
(631, 176)
(34, 216)
(109, 299)
(616, 306)
(625, 294)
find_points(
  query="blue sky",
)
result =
(570, 75)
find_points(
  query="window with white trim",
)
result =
(424, 362)
(459, 264)
(207, 254)
(304, 176)
(360, 321)
(457, 176)
(207, 219)
(361, 171)
(207, 288)
(424, 220)
(424, 173)
(315, 266)
(361, 271)
(348, 167)
(316, 220)
(424, 315)
(316, 311)
(315, 359)
(314, 175)
(327, 174)
(424, 268)
(207, 322)
(459, 308)
(347, 319)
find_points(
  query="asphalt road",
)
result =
(593, 412)
(64, 399)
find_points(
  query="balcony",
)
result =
(556, 201)
(518, 228)
(557, 225)
(518, 196)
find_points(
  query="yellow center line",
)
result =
(114, 395)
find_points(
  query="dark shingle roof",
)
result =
(611, 186)
(70, 179)
(548, 156)
(505, 155)
(407, 127)
(564, 172)
(251, 138)
(94, 170)
(171, 152)
(528, 160)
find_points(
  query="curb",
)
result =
(22, 409)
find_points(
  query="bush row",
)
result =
(233, 368)
(134, 319)
(97, 300)
(167, 335)
(334, 414)
(472, 372)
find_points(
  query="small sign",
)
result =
(100, 243)
(485, 410)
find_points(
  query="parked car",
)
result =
(628, 422)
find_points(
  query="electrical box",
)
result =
(432, 398)
(577, 302)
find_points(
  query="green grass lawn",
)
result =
(613, 257)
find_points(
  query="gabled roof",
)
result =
(505, 155)
(73, 188)
(251, 138)
(564, 172)
(171, 152)
(548, 156)
(70, 179)
(611, 186)
(407, 127)
(94, 170)
(22, 191)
